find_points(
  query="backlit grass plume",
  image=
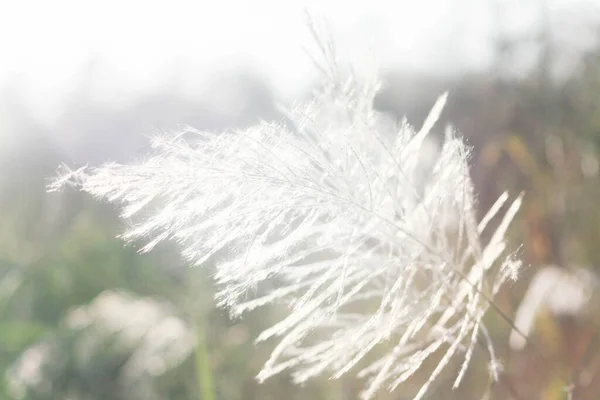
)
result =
(382, 265)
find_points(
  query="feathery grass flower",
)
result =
(381, 265)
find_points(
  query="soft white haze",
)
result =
(141, 44)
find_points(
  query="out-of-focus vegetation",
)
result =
(59, 253)
(540, 135)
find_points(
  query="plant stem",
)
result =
(204, 378)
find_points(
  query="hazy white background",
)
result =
(44, 44)
(126, 49)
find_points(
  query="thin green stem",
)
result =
(204, 378)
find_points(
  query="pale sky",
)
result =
(45, 43)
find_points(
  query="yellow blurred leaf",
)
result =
(556, 390)
(549, 331)
(518, 152)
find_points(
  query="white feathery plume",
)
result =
(559, 291)
(330, 214)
